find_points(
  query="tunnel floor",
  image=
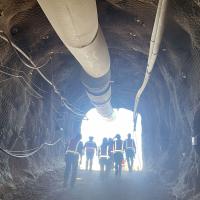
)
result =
(89, 186)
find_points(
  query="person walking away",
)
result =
(118, 155)
(110, 153)
(103, 157)
(73, 151)
(130, 150)
(90, 148)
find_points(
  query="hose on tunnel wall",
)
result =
(156, 38)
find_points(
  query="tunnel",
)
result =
(47, 88)
(99, 128)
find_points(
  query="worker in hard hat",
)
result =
(74, 148)
(90, 148)
(103, 157)
(118, 154)
(130, 149)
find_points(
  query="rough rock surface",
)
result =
(31, 113)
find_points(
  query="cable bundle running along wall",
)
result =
(22, 78)
(32, 65)
(29, 152)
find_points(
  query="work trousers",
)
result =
(103, 166)
(118, 158)
(89, 160)
(71, 160)
(110, 162)
(130, 154)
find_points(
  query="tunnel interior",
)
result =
(33, 117)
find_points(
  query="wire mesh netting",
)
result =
(27, 118)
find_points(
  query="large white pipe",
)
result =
(156, 38)
(94, 58)
(76, 23)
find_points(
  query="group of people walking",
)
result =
(110, 154)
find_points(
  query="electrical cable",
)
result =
(16, 50)
(31, 153)
(6, 80)
(29, 90)
(18, 76)
(63, 100)
(26, 150)
(19, 71)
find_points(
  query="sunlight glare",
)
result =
(122, 123)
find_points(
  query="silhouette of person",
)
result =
(90, 148)
(73, 151)
(130, 149)
(118, 154)
(103, 157)
(110, 153)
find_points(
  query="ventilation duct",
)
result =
(76, 23)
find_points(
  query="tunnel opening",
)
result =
(122, 123)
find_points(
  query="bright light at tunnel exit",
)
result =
(98, 127)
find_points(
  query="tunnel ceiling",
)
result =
(28, 116)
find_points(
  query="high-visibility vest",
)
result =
(90, 146)
(127, 146)
(70, 148)
(110, 148)
(103, 153)
(118, 148)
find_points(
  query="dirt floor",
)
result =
(89, 186)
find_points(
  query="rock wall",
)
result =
(169, 106)
(27, 121)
